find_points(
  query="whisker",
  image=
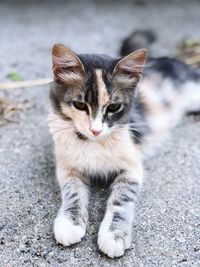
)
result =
(134, 130)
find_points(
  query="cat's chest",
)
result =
(111, 154)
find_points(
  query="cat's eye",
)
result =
(115, 107)
(79, 105)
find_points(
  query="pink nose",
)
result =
(96, 133)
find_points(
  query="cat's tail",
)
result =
(136, 40)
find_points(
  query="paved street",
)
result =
(167, 228)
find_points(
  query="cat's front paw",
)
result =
(66, 232)
(113, 243)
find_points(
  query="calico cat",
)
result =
(104, 120)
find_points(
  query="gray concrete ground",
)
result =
(167, 229)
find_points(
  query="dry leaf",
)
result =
(9, 110)
(189, 51)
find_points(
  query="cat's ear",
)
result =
(129, 69)
(67, 67)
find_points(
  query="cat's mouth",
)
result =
(83, 137)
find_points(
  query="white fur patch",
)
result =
(96, 124)
(114, 243)
(66, 233)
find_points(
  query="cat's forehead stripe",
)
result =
(103, 96)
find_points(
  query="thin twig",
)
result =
(13, 85)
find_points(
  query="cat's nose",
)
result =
(96, 133)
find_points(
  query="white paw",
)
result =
(66, 233)
(113, 243)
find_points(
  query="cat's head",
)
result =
(94, 93)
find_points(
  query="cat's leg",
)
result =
(114, 235)
(71, 221)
